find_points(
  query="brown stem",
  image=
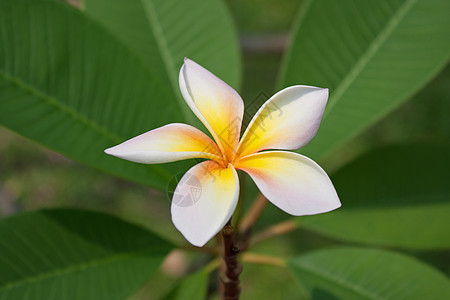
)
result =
(229, 278)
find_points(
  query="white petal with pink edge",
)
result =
(169, 143)
(291, 181)
(204, 200)
(215, 103)
(287, 121)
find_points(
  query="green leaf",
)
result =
(73, 254)
(395, 196)
(71, 82)
(352, 273)
(193, 286)
(163, 32)
(372, 55)
(69, 85)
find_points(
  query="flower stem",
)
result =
(229, 278)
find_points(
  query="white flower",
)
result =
(288, 121)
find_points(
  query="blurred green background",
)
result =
(32, 177)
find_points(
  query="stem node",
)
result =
(232, 268)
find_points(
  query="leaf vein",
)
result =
(370, 52)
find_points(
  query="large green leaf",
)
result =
(74, 85)
(68, 84)
(73, 254)
(396, 196)
(193, 286)
(372, 55)
(352, 273)
(163, 32)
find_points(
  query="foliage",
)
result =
(392, 212)
(352, 273)
(79, 81)
(54, 254)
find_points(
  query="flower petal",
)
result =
(169, 143)
(216, 104)
(288, 120)
(291, 181)
(204, 200)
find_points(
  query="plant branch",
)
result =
(275, 230)
(253, 213)
(250, 219)
(212, 265)
(229, 278)
(263, 259)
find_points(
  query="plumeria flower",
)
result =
(287, 121)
